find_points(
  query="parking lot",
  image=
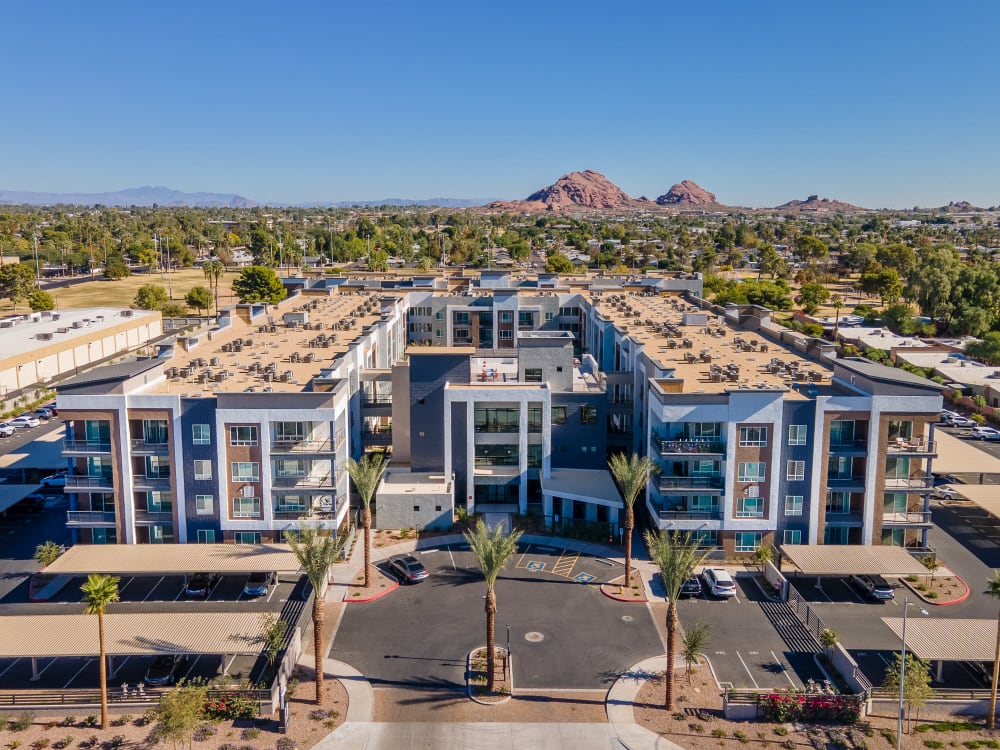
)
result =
(563, 632)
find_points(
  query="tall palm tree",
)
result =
(631, 474)
(993, 590)
(676, 556)
(837, 303)
(316, 549)
(492, 548)
(213, 270)
(98, 592)
(367, 473)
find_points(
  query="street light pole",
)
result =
(507, 670)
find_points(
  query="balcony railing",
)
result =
(85, 446)
(484, 461)
(690, 515)
(368, 399)
(909, 483)
(302, 515)
(917, 446)
(858, 480)
(85, 482)
(497, 427)
(150, 483)
(676, 483)
(300, 446)
(147, 446)
(153, 516)
(909, 518)
(377, 438)
(308, 481)
(849, 446)
(695, 446)
(90, 518)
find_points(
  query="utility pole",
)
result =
(34, 239)
(170, 286)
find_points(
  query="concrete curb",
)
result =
(468, 681)
(934, 602)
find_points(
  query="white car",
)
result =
(7, 429)
(947, 493)
(55, 480)
(719, 582)
(985, 433)
(960, 421)
(25, 420)
(947, 414)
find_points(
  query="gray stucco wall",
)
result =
(428, 375)
(200, 411)
(796, 412)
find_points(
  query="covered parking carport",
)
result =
(144, 559)
(843, 560)
(940, 640)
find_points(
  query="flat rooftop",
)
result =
(707, 356)
(144, 559)
(267, 353)
(60, 327)
(401, 481)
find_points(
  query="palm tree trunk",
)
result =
(318, 644)
(491, 609)
(991, 717)
(103, 670)
(366, 517)
(668, 675)
(629, 523)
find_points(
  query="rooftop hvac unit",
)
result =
(126, 313)
(77, 324)
(44, 336)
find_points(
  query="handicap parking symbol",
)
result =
(583, 577)
(536, 566)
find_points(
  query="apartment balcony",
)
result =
(143, 447)
(301, 446)
(303, 515)
(705, 484)
(380, 437)
(917, 447)
(487, 428)
(286, 483)
(857, 447)
(910, 484)
(685, 520)
(852, 483)
(911, 518)
(376, 404)
(73, 447)
(844, 519)
(90, 518)
(85, 483)
(696, 446)
(145, 517)
(141, 482)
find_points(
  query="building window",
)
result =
(792, 536)
(103, 536)
(247, 537)
(201, 434)
(753, 436)
(202, 469)
(204, 505)
(246, 507)
(751, 471)
(289, 432)
(439, 333)
(157, 467)
(793, 505)
(588, 414)
(748, 541)
(532, 374)
(506, 335)
(838, 503)
(506, 317)
(246, 471)
(534, 455)
(796, 434)
(705, 467)
(462, 319)
(548, 317)
(702, 430)
(159, 502)
(750, 507)
(706, 538)
(573, 312)
(558, 415)
(206, 536)
(290, 467)
(245, 435)
(796, 470)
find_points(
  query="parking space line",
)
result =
(225, 669)
(784, 670)
(455, 567)
(155, 585)
(122, 588)
(749, 673)
(42, 670)
(77, 673)
(195, 661)
(275, 588)
(12, 666)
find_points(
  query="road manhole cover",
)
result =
(534, 637)
(627, 618)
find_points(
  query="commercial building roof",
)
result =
(111, 373)
(132, 634)
(938, 638)
(848, 559)
(143, 559)
(875, 371)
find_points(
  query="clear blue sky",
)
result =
(877, 103)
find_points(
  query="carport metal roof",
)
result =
(12, 494)
(955, 456)
(132, 634)
(986, 496)
(146, 559)
(847, 559)
(943, 639)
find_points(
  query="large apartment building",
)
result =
(502, 393)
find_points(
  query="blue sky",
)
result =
(877, 103)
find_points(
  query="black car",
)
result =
(163, 670)
(199, 586)
(691, 587)
(408, 569)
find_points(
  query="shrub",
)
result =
(14, 744)
(231, 706)
(285, 743)
(203, 732)
(40, 744)
(63, 743)
(319, 714)
(696, 727)
(787, 744)
(91, 721)
(678, 716)
(890, 735)
(23, 721)
(719, 733)
(932, 594)
(115, 742)
(781, 731)
(741, 736)
(781, 707)
(933, 744)
(250, 733)
(69, 721)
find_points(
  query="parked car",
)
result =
(257, 584)
(55, 480)
(163, 670)
(719, 582)
(947, 493)
(199, 586)
(960, 421)
(52, 408)
(25, 421)
(408, 569)
(44, 412)
(980, 432)
(944, 479)
(691, 587)
(875, 587)
(947, 414)
(7, 429)
(33, 503)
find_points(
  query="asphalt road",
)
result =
(19, 535)
(564, 633)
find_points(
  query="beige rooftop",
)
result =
(652, 320)
(955, 457)
(986, 496)
(143, 559)
(847, 559)
(937, 638)
(132, 634)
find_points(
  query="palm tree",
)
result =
(98, 592)
(316, 549)
(213, 270)
(696, 639)
(367, 473)
(631, 474)
(676, 556)
(837, 304)
(993, 590)
(492, 548)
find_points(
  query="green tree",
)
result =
(884, 282)
(828, 638)
(179, 713)
(771, 262)
(259, 284)
(811, 296)
(150, 297)
(558, 263)
(631, 474)
(273, 637)
(917, 682)
(379, 261)
(763, 554)
(987, 350)
(809, 249)
(199, 298)
(98, 592)
(694, 642)
(47, 553)
(897, 256)
(838, 304)
(993, 591)
(366, 475)
(116, 268)
(39, 299)
(316, 549)
(492, 548)
(676, 557)
(930, 282)
(17, 282)
(213, 270)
